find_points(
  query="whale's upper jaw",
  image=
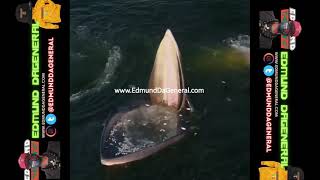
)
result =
(167, 73)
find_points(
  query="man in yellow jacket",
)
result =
(274, 171)
(45, 12)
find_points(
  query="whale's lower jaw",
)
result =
(167, 73)
(142, 153)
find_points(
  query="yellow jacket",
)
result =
(46, 12)
(274, 171)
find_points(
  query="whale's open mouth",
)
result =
(167, 73)
(147, 129)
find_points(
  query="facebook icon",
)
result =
(268, 70)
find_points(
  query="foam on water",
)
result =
(113, 61)
(241, 43)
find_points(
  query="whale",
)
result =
(149, 127)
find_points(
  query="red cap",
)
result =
(23, 160)
(297, 28)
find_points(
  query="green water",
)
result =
(113, 45)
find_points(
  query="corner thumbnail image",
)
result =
(274, 170)
(159, 90)
(270, 28)
(49, 161)
(44, 12)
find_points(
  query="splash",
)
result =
(113, 61)
(240, 43)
